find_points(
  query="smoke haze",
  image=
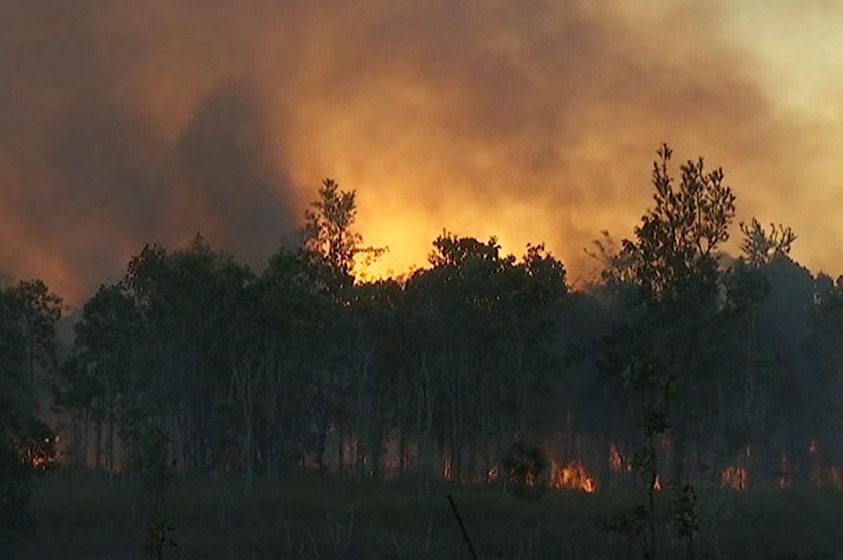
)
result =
(131, 122)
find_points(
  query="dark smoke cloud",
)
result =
(129, 122)
(92, 177)
(223, 156)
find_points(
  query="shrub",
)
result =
(526, 467)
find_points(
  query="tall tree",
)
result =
(106, 343)
(39, 309)
(332, 247)
(752, 342)
(185, 298)
(826, 349)
(26, 443)
(330, 238)
(674, 263)
(482, 325)
(288, 314)
(675, 249)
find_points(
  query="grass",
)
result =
(83, 516)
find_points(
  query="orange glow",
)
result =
(447, 471)
(493, 474)
(657, 483)
(193, 120)
(574, 476)
(42, 455)
(616, 460)
(735, 478)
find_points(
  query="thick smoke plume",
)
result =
(129, 122)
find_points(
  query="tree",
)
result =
(826, 350)
(39, 310)
(482, 324)
(280, 326)
(674, 252)
(331, 248)
(793, 398)
(329, 237)
(760, 247)
(673, 262)
(662, 349)
(26, 443)
(456, 300)
(185, 299)
(757, 292)
(377, 357)
(106, 343)
(525, 466)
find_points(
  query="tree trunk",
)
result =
(98, 441)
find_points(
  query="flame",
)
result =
(41, 463)
(43, 455)
(493, 474)
(447, 470)
(616, 460)
(657, 483)
(574, 476)
(735, 478)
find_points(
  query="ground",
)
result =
(83, 516)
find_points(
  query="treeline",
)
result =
(301, 367)
(706, 365)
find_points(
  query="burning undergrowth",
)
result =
(530, 472)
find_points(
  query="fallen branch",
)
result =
(462, 527)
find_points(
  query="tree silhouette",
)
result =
(329, 237)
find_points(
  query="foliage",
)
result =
(675, 247)
(38, 310)
(760, 247)
(329, 238)
(526, 468)
(648, 381)
(685, 518)
(27, 446)
(150, 464)
(665, 346)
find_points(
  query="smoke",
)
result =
(126, 123)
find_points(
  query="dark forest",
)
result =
(686, 373)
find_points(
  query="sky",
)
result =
(127, 122)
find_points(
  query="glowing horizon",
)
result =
(133, 123)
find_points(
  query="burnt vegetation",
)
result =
(680, 405)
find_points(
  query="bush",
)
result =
(526, 468)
